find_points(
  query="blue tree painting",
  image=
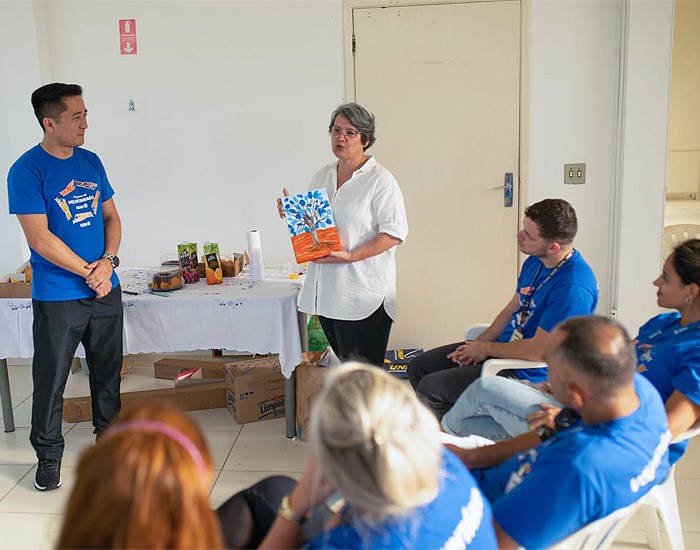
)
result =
(308, 212)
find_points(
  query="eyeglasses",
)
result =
(349, 133)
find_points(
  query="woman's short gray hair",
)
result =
(360, 118)
(376, 442)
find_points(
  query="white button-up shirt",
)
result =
(368, 204)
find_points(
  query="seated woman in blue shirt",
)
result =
(377, 447)
(668, 354)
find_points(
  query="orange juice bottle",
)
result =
(212, 264)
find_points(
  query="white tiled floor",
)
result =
(242, 454)
(30, 519)
(682, 211)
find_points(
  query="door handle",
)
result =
(508, 190)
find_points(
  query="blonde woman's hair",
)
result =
(376, 441)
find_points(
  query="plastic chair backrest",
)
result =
(677, 234)
(599, 534)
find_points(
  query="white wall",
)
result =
(19, 70)
(232, 100)
(232, 103)
(573, 75)
(647, 88)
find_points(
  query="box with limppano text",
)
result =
(254, 390)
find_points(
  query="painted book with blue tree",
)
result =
(311, 225)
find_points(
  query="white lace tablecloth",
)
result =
(237, 315)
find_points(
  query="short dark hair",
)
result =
(360, 118)
(686, 261)
(48, 100)
(555, 218)
(601, 349)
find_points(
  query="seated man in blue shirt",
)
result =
(555, 283)
(609, 449)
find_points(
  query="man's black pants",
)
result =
(58, 328)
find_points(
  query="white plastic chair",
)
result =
(599, 534)
(677, 234)
(492, 367)
(662, 501)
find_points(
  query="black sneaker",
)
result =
(48, 474)
(98, 433)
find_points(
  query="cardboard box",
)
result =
(232, 355)
(396, 361)
(15, 290)
(254, 390)
(309, 380)
(169, 368)
(192, 377)
(190, 398)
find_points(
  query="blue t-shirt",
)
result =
(669, 357)
(581, 474)
(570, 292)
(70, 192)
(459, 517)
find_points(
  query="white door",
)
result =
(444, 82)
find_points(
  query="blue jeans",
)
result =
(495, 407)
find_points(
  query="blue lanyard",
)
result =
(531, 291)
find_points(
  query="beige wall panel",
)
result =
(443, 81)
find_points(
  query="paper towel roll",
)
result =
(257, 270)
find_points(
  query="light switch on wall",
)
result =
(575, 173)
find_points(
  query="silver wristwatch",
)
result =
(114, 260)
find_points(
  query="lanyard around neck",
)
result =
(532, 289)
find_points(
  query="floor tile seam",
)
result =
(57, 514)
(233, 444)
(17, 405)
(14, 487)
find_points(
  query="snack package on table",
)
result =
(187, 256)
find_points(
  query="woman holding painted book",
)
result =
(668, 355)
(353, 291)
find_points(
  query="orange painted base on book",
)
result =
(306, 251)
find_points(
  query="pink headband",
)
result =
(165, 429)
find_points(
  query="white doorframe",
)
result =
(645, 78)
(613, 282)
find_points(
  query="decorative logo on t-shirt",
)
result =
(520, 319)
(469, 524)
(77, 205)
(645, 353)
(648, 474)
(527, 460)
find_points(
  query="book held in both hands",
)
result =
(311, 225)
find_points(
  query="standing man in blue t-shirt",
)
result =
(555, 283)
(609, 448)
(63, 200)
